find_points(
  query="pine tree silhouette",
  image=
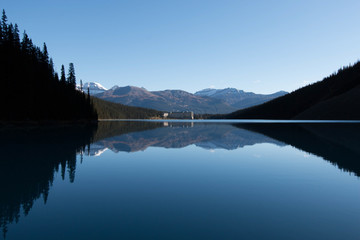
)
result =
(32, 90)
(71, 76)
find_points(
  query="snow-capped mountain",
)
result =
(229, 95)
(95, 150)
(213, 101)
(94, 88)
(166, 100)
(207, 92)
(114, 87)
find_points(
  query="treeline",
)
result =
(30, 87)
(335, 97)
(110, 110)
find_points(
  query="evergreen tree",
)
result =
(45, 54)
(88, 96)
(51, 67)
(71, 76)
(1, 33)
(62, 77)
(39, 95)
(4, 23)
(26, 44)
(81, 85)
(56, 76)
(10, 34)
(16, 36)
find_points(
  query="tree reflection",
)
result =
(30, 157)
(337, 143)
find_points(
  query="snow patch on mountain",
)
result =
(94, 88)
(211, 92)
(114, 87)
(207, 92)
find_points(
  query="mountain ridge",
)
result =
(166, 100)
(221, 102)
(239, 98)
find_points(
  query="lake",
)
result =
(181, 180)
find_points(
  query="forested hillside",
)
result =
(335, 97)
(110, 110)
(31, 89)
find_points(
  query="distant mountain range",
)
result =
(212, 101)
(238, 98)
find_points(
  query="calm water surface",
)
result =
(181, 180)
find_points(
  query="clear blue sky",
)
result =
(260, 46)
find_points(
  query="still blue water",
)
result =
(182, 180)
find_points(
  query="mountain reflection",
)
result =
(337, 143)
(173, 135)
(30, 157)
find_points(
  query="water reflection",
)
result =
(31, 156)
(335, 142)
(338, 143)
(130, 137)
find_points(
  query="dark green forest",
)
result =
(336, 97)
(110, 110)
(31, 89)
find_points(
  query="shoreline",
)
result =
(46, 123)
(230, 120)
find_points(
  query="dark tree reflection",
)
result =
(30, 157)
(337, 143)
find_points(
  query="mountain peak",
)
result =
(238, 98)
(205, 101)
(207, 92)
(114, 87)
(93, 87)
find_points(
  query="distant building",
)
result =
(179, 115)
